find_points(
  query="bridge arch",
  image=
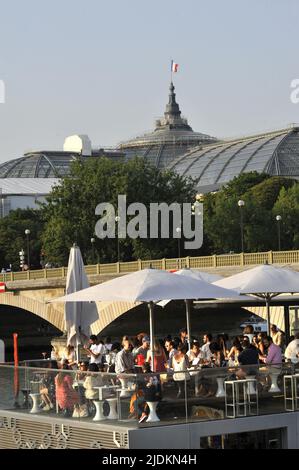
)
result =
(52, 313)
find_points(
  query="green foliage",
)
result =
(287, 205)
(222, 214)
(13, 238)
(70, 216)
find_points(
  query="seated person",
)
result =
(292, 350)
(274, 356)
(93, 379)
(148, 389)
(66, 396)
(249, 356)
(47, 390)
(194, 354)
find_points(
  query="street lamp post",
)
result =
(92, 241)
(27, 233)
(278, 218)
(178, 231)
(117, 219)
(241, 204)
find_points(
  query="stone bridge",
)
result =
(32, 295)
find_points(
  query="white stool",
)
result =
(152, 417)
(251, 384)
(220, 390)
(274, 386)
(112, 404)
(124, 385)
(35, 399)
(99, 416)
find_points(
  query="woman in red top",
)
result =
(159, 357)
(66, 396)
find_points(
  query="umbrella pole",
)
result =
(188, 323)
(268, 314)
(151, 322)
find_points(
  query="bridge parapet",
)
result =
(100, 271)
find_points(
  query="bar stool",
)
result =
(99, 416)
(235, 398)
(124, 388)
(35, 403)
(291, 392)
(112, 405)
(274, 378)
(241, 398)
(152, 417)
(220, 387)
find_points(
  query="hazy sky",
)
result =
(102, 68)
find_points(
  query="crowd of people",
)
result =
(173, 356)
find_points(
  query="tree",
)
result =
(13, 238)
(287, 206)
(69, 215)
(222, 215)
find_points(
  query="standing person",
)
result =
(180, 369)
(234, 352)
(184, 339)
(141, 353)
(259, 343)
(249, 331)
(217, 354)
(159, 357)
(194, 354)
(124, 360)
(292, 351)
(277, 336)
(169, 346)
(248, 357)
(136, 345)
(108, 345)
(205, 349)
(69, 355)
(96, 350)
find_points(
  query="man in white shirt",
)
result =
(96, 350)
(169, 346)
(292, 349)
(205, 349)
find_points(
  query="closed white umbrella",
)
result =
(265, 281)
(148, 285)
(78, 315)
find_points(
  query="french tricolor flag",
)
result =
(174, 66)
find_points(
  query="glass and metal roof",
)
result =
(50, 163)
(276, 153)
(44, 164)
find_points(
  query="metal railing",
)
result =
(210, 393)
(196, 262)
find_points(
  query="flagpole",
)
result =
(171, 70)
